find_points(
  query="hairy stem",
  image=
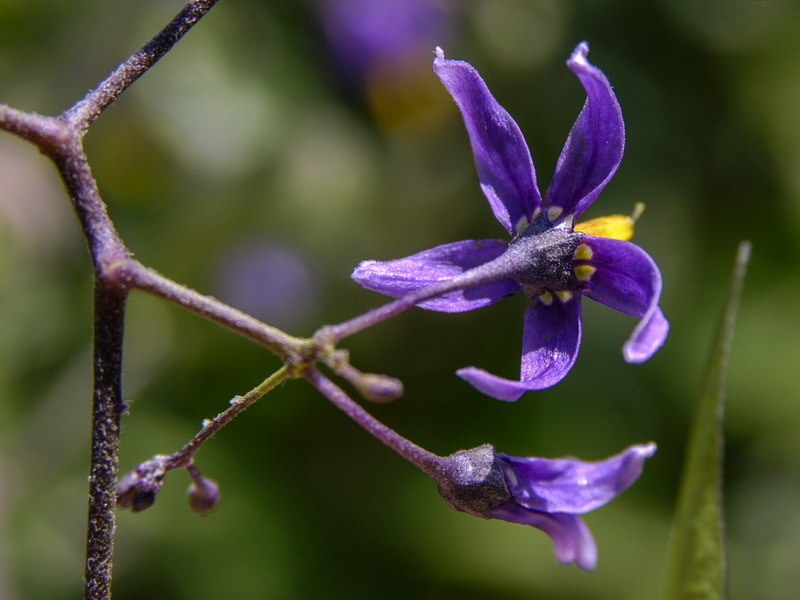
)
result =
(131, 274)
(107, 409)
(95, 102)
(105, 244)
(48, 133)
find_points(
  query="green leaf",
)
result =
(697, 559)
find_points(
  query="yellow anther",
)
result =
(564, 296)
(554, 212)
(618, 227)
(584, 272)
(546, 298)
(583, 252)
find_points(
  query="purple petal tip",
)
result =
(649, 335)
(579, 55)
(492, 385)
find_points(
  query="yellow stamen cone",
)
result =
(618, 227)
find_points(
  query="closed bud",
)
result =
(379, 388)
(203, 495)
(137, 489)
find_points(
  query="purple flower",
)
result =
(546, 493)
(368, 34)
(549, 258)
(268, 280)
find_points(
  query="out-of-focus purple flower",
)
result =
(367, 34)
(268, 280)
(376, 47)
(549, 258)
(546, 493)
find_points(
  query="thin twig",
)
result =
(48, 133)
(426, 461)
(95, 102)
(131, 274)
(137, 490)
(238, 405)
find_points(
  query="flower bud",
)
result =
(136, 492)
(203, 495)
(380, 388)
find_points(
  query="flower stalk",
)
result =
(138, 488)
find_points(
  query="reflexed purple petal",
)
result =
(572, 539)
(551, 338)
(629, 281)
(594, 147)
(405, 275)
(647, 338)
(504, 164)
(569, 485)
(492, 385)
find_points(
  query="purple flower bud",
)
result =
(137, 489)
(204, 495)
(380, 388)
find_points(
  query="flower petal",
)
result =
(648, 336)
(594, 147)
(405, 275)
(504, 164)
(569, 485)
(628, 280)
(551, 338)
(492, 385)
(572, 540)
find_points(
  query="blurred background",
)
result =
(281, 143)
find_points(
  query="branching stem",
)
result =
(117, 273)
(60, 138)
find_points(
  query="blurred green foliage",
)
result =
(246, 131)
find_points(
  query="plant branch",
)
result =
(131, 274)
(426, 461)
(184, 456)
(95, 102)
(105, 244)
(107, 409)
(48, 133)
(138, 488)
